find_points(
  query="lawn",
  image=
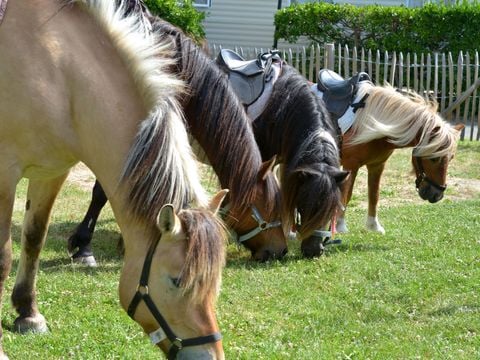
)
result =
(413, 293)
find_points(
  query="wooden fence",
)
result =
(452, 82)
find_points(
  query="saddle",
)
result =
(3, 8)
(338, 93)
(248, 77)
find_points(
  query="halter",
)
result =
(262, 224)
(164, 331)
(421, 176)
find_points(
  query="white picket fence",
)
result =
(451, 82)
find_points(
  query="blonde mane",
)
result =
(403, 118)
(170, 175)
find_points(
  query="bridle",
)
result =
(421, 176)
(164, 331)
(262, 225)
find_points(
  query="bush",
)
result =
(182, 14)
(431, 28)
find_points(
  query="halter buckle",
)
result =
(142, 289)
(177, 343)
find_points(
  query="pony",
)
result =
(70, 67)
(294, 125)
(222, 136)
(392, 119)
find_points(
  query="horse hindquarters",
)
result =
(40, 198)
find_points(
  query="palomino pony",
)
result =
(388, 119)
(79, 79)
(223, 136)
(292, 123)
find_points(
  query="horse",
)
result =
(291, 123)
(386, 119)
(70, 67)
(222, 136)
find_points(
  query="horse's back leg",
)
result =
(7, 200)
(82, 237)
(347, 190)
(375, 172)
(40, 198)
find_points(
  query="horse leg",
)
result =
(375, 172)
(82, 237)
(40, 198)
(347, 190)
(7, 199)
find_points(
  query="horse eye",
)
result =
(175, 281)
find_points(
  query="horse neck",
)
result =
(219, 124)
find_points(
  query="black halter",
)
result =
(164, 331)
(421, 176)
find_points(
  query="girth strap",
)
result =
(142, 293)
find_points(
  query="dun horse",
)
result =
(78, 79)
(224, 138)
(387, 120)
(292, 123)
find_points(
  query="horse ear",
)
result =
(166, 219)
(266, 167)
(459, 127)
(217, 200)
(340, 176)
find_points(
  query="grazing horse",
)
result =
(293, 124)
(388, 119)
(78, 79)
(223, 137)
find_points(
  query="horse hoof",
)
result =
(341, 226)
(88, 261)
(372, 224)
(34, 324)
(292, 235)
(3, 356)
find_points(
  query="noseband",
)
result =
(421, 176)
(164, 331)
(262, 224)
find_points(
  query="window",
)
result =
(202, 3)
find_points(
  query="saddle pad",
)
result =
(3, 8)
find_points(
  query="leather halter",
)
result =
(164, 331)
(421, 176)
(3, 9)
(262, 224)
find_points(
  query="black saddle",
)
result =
(248, 77)
(338, 93)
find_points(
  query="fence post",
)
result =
(330, 56)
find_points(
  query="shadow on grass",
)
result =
(104, 246)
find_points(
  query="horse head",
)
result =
(176, 306)
(258, 226)
(431, 171)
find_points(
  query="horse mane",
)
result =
(160, 167)
(296, 126)
(219, 122)
(402, 117)
(200, 276)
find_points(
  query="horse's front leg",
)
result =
(347, 190)
(375, 172)
(81, 239)
(40, 198)
(7, 199)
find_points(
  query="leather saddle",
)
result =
(248, 77)
(339, 93)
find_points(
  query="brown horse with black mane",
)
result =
(223, 137)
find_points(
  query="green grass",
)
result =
(413, 293)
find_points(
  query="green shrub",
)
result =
(431, 28)
(182, 14)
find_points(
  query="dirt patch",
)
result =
(81, 176)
